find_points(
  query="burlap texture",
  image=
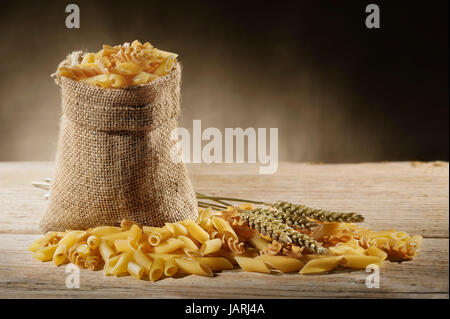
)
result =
(113, 158)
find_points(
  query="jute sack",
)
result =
(113, 158)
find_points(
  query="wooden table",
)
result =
(413, 197)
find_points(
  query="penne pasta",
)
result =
(126, 224)
(168, 246)
(188, 243)
(197, 232)
(282, 263)
(211, 246)
(223, 227)
(125, 245)
(165, 66)
(216, 263)
(46, 253)
(170, 267)
(128, 68)
(112, 237)
(109, 265)
(106, 250)
(142, 260)
(163, 256)
(176, 229)
(320, 265)
(345, 250)
(135, 234)
(193, 267)
(93, 241)
(66, 242)
(377, 252)
(121, 267)
(252, 264)
(359, 262)
(157, 269)
(135, 270)
(258, 242)
(157, 235)
(104, 231)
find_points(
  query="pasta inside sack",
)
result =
(121, 65)
(223, 240)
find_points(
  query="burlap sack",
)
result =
(113, 158)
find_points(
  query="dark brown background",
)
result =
(338, 92)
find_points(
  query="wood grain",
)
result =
(23, 276)
(413, 197)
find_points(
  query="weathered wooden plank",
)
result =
(424, 277)
(409, 196)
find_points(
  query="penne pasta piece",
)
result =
(106, 250)
(188, 243)
(157, 269)
(142, 260)
(102, 80)
(117, 81)
(125, 245)
(163, 256)
(166, 66)
(176, 229)
(105, 230)
(66, 242)
(168, 246)
(211, 246)
(325, 229)
(224, 228)
(252, 264)
(109, 265)
(258, 242)
(193, 267)
(43, 240)
(165, 53)
(320, 265)
(170, 267)
(126, 224)
(216, 263)
(121, 267)
(282, 263)
(93, 241)
(157, 235)
(196, 231)
(135, 234)
(88, 58)
(345, 250)
(143, 78)
(377, 252)
(112, 237)
(46, 253)
(135, 270)
(359, 262)
(128, 68)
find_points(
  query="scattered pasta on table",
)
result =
(120, 66)
(236, 237)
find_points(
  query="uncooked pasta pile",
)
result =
(120, 66)
(253, 239)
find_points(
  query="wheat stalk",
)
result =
(277, 230)
(294, 221)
